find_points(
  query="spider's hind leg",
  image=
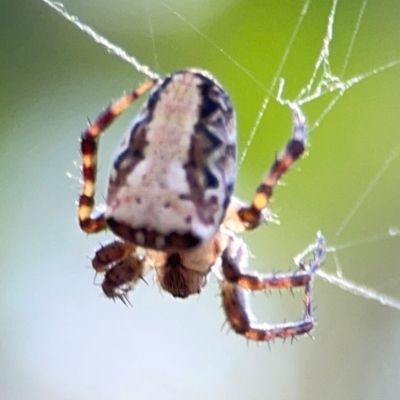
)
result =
(254, 214)
(88, 222)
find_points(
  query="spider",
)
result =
(170, 201)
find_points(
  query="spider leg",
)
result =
(234, 256)
(88, 222)
(121, 278)
(235, 296)
(123, 264)
(252, 215)
(109, 254)
(237, 308)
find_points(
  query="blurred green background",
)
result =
(60, 339)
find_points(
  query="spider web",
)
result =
(323, 82)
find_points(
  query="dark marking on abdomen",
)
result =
(172, 242)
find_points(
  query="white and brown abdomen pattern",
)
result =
(175, 171)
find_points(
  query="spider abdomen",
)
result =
(174, 173)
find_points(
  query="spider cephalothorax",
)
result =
(170, 200)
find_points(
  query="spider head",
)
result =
(178, 280)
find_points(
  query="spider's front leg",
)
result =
(123, 264)
(253, 215)
(88, 222)
(106, 256)
(120, 279)
(236, 283)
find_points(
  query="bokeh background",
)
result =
(61, 339)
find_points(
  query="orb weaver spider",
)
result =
(170, 201)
